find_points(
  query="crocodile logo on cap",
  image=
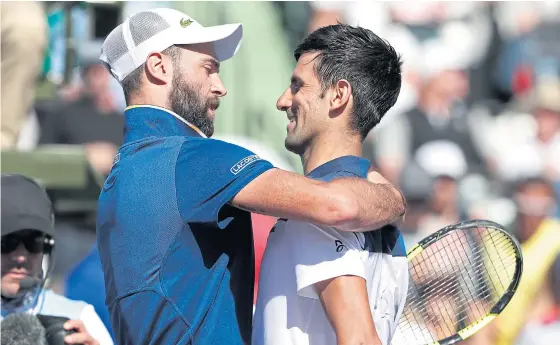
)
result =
(185, 22)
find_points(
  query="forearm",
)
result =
(345, 301)
(379, 204)
(349, 204)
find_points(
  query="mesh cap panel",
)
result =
(114, 46)
(145, 25)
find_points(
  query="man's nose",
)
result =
(285, 101)
(20, 254)
(218, 88)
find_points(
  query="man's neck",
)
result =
(147, 99)
(329, 147)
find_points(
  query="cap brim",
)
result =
(226, 38)
(15, 224)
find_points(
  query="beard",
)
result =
(185, 101)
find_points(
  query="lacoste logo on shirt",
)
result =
(242, 164)
(339, 246)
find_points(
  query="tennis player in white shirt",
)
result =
(318, 285)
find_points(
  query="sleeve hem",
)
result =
(239, 185)
(306, 286)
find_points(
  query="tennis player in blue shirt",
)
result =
(173, 228)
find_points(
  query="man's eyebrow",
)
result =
(214, 62)
(296, 80)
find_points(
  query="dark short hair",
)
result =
(133, 81)
(369, 63)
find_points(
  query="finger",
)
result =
(79, 338)
(78, 325)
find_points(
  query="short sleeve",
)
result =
(209, 173)
(322, 253)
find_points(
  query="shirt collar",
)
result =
(353, 164)
(142, 121)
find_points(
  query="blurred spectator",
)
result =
(416, 186)
(531, 47)
(421, 32)
(24, 39)
(440, 116)
(536, 202)
(547, 329)
(525, 139)
(89, 116)
(516, 18)
(540, 244)
(527, 59)
(434, 172)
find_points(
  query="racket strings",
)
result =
(456, 270)
(455, 282)
(447, 308)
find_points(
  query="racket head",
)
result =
(460, 278)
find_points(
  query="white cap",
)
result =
(129, 44)
(442, 158)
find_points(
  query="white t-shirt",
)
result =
(299, 255)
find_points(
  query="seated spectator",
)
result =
(527, 143)
(89, 117)
(28, 237)
(531, 47)
(540, 244)
(440, 116)
(438, 167)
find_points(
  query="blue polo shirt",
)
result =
(177, 258)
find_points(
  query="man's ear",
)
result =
(340, 95)
(158, 69)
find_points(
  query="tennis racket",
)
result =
(461, 278)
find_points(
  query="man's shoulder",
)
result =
(338, 174)
(214, 156)
(208, 144)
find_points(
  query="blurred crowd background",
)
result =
(475, 132)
